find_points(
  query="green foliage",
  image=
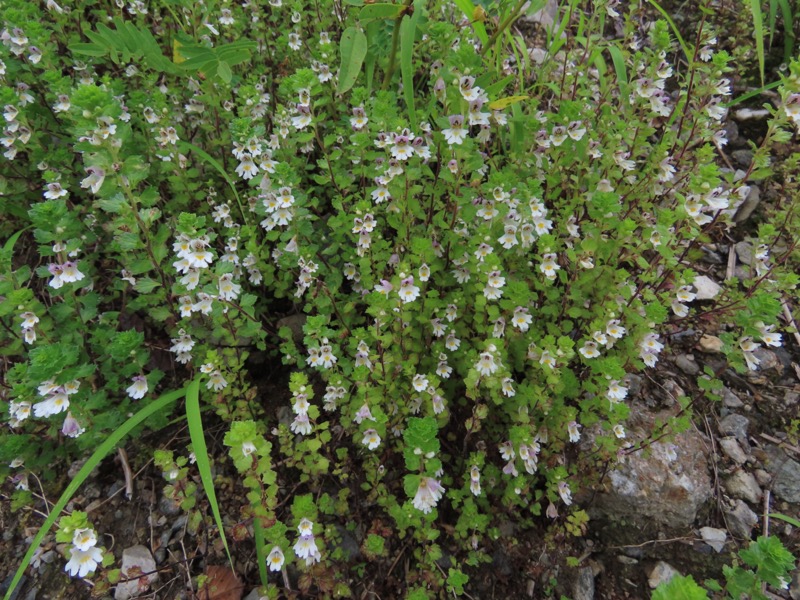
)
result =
(462, 268)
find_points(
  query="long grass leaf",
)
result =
(353, 48)
(197, 435)
(8, 250)
(469, 10)
(758, 31)
(97, 456)
(261, 555)
(408, 31)
(619, 68)
(185, 146)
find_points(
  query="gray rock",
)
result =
(744, 250)
(254, 595)
(295, 323)
(733, 450)
(749, 205)
(687, 364)
(167, 506)
(741, 520)
(627, 560)
(583, 588)
(139, 565)
(743, 485)
(730, 399)
(742, 158)
(651, 488)
(767, 360)
(706, 288)
(714, 537)
(735, 425)
(786, 472)
(662, 572)
(732, 132)
(762, 477)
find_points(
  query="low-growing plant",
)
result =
(476, 246)
(764, 562)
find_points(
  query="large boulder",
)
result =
(664, 485)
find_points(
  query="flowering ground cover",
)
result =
(368, 290)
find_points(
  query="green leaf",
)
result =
(619, 68)
(98, 455)
(380, 11)
(195, 421)
(758, 32)
(471, 12)
(408, 31)
(679, 588)
(353, 50)
(224, 72)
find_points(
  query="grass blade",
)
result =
(260, 551)
(195, 422)
(758, 31)
(186, 146)
(408, 31)
(8, 250)
(97, 456)
(619, 68)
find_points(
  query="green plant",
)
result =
(480, 251)
(764, 562)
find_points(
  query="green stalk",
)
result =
(387, 77)
(512, 16)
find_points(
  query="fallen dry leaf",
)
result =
(222, 584)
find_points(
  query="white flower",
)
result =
(216, 381)
(589, 349)
(83, 539)
(138, 388)
(408, 292)
(420, 383)
(456, 133)
(248, 448)
(521, 319)
(486, 365)
(55, 404)
(428, 494)
(619, 431)
(275, 559)
(616, 391)
(228, 289)
(549, 266)
(81, 563)
(574, 431)
(371, 439)
(301, 425)
(94, 180)
(564, 492)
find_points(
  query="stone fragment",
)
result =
(714, 537)
(786, 472)
(583, 587)
(730, 400)
(741, 520)
(749, 205)
(735, 425)
(744, 250)
(743, 485)
(139, 567)
(733, 450)
(687, 364)
(706, 288)
(662, 572)
(710, 344)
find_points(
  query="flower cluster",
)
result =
(306, 545)
(84, 556)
